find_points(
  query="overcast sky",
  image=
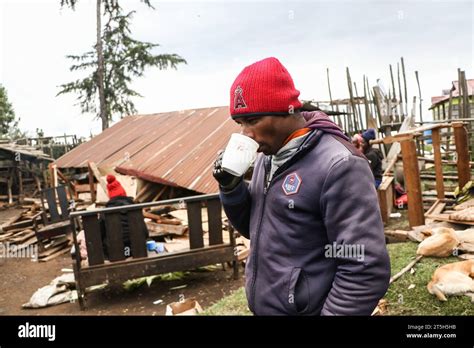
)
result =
(220, 38)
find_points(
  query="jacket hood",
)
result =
(319, 120)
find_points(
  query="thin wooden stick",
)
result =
(400, 94)
(407, 268)
(405, 86)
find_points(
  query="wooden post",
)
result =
(91, 183)
(465, 94)
(438, 164)
(97, 175)
(9, 184)
(367, 110)
(358, 109)
(421, 112)
(462, 150)
(20, 184)
(461, 100)
(416, 215)
(400, 94)
(330, 99)
(53, 175)
(405, 86)
(351, 95)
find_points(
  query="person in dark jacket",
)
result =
(374, 156)
(310, 211)
(118, 197)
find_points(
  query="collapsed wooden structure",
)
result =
(407, 140)
(22, 171)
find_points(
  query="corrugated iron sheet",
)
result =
(176, 148)
(25, 151)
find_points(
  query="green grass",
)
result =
(418, 301)
(235, 304)
(401, 300)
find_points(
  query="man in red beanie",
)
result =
(311, 210)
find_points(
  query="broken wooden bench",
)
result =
(118, 268)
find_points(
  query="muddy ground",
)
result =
(20, 278)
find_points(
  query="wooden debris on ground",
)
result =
(157, 229)
(405, 269)
(465, 215)
(381, 308)
(396, 235)
(17, 233)
(465, 205)
(176, 244)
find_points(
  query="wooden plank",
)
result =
(433, 177)
(53, 175)
(67, 182)
(214, 211)
(28, 242)
(97, 175)
(462, 150)
(413, 185)
(12, 216)
(160, 219)
(92, 186)
(50, 196)
(195, 225)
(56, 254)
(156, 230)
(445, 217)
(63, 201)
(53, 249)
(397, 234)
(6, 236)
(435, 209)
(159, 264)
(82, 188)
(438, 164)
(95, 253)
(114, 235)
(385, 195)
(137, 228)
(25, 235)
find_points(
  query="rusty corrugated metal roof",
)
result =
(25, 150)
(175, 148)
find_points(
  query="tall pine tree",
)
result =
(115, 60)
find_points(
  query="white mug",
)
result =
(240, 153)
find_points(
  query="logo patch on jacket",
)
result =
(291, 184)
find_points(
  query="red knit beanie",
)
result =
(262, 89)
(114, 188)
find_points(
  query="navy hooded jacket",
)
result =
(316, 235)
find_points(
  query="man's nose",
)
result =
(247, 132)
